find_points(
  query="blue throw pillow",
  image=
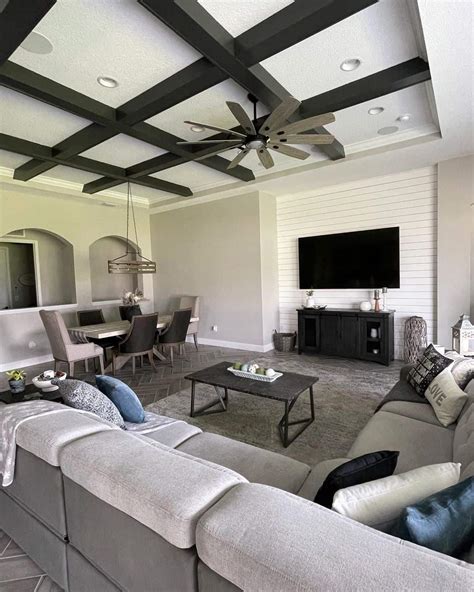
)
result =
(443, 521)
(122, 397)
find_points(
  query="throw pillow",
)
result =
(122, 397)
(84, 396)
(463, 371)
(380, 502)
(428, 366)
(443, 521)
(358, 470)
(446, 398)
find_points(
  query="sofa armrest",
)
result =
(261, 538)
(404, 371)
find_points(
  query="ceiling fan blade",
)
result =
(238, 158)
(304, 125)
(265, 158)
(236, 142)
(216, 151)
(306, 139)
(279, 115)
(216, 128)
(239, 113)
(288, 150)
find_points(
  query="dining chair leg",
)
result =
(152, 362)
(113, 363)
(133, 365)
(171, 353)
(86, 365)
(101, 363)
(195, 335)
(56, 365)
(141, 361)
(71, 368)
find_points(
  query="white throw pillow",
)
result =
(446, 398)
(378, 503)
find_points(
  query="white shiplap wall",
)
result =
(407, 200)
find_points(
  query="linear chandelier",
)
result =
(131, 262)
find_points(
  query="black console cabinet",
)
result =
(347, 333)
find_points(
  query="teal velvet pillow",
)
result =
(122, 397)
(443, 521)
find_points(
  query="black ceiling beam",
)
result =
(35, 150)
(293, 24)
(106, 124)
(17, 20)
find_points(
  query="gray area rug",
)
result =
(346, 396)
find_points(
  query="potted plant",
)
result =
(16, 380)
(309, 299)
(131, 298)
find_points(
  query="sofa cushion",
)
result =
(316, 478)
(255, 464)
(162, 488)
(463, 444)
(419, 443)
(367, 467)
(174, 434)
(265, 539)
(420, 411)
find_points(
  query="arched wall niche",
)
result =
(36, 269)
(104, 285)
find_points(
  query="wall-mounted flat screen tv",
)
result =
(366, 259)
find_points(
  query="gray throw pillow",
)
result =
(463, 371)
(427, 367)
(84, 396)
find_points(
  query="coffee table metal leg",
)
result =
(207, 408)
(285, 422)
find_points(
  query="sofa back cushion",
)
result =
(463, 443)
(162, 488)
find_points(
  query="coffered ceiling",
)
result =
(183, 59)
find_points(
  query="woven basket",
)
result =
(284, 342)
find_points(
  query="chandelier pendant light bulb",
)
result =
(131, 262)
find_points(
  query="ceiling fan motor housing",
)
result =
(256, 141)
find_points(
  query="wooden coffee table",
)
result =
(287, 389)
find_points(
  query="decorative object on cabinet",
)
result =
(377, 300)
(415, 338)
(309, 303)
(365, 306)
(463, 336)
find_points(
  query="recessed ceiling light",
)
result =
(197, 128)
(404, 117)
(37, 43)
(375, 110)
(107, 81)
(349, 65)
(390, 129)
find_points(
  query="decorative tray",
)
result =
(254, 376)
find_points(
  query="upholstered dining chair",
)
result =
(191, 302)
(95, 316)
(64, 350)
(129, 311)
(138, 342)
(175, 334)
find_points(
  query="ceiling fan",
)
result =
(274, 134)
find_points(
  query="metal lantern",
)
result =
(463, 336)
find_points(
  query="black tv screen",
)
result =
(367, 259)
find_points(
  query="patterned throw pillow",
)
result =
(463, 371)
(428, 366)
(84, 396)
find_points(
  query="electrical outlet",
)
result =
(214, 328)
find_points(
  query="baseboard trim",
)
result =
(27, 362)
(233, 344)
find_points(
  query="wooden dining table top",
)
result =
(114, 328)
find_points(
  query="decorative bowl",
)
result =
(45, 383)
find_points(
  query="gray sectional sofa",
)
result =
(100, 509)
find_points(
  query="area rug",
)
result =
(346, 396)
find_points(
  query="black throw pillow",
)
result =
(362, 469)
(427, 367)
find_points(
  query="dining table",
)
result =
(86, 333)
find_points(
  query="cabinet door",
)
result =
(349, 336)
(329, 334)
(373, 339)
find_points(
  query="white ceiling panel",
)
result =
(65, 173)
(143, 192)
(35, 121)
(123, 151)
(10, 160)
(206, 107)
(380, 36)
(114, 38)
(238, 16)
(194, 175)
(354, 124)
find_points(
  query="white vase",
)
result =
(309, 302)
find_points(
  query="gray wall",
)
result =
(455, 198)
(215, 250)
(106, 286)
